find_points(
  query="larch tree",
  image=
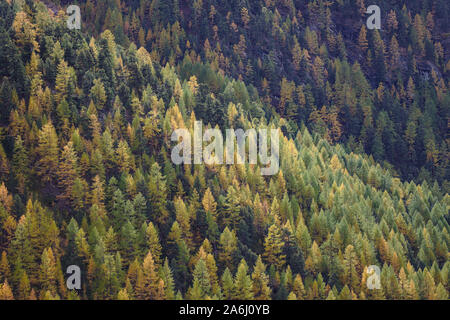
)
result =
(20, 164)
(4, 267)
(67, 172)
(98, 94)
(183, 218)
(201, 288)
(24, 287)
(227, 248)
(167, 277)
(230, 213)
(25, 31)
(273, 245)
(362, 39)
(260, 281)
(154, 243)
(243, 283)
(148, 280)
(64, 76)
(352, 268)
(157, 189)
(6, 292)
(227, 285)
(209, 204)
(48, 272)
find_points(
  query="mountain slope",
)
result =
(87, 180)
(382, 92)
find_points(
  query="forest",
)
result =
(86, 176)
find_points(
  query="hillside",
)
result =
(87, 177)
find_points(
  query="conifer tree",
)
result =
(261, 289)
(48, 272)
(362, 39)
(6, 292)
(228, 248)
(227, 285)
(20, 165)
(147, 279)
(47, 151)
(67, 172)
(153, 243)
(201, 285)
(243, 283)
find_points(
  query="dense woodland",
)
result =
(86, 176)
(384, 93)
